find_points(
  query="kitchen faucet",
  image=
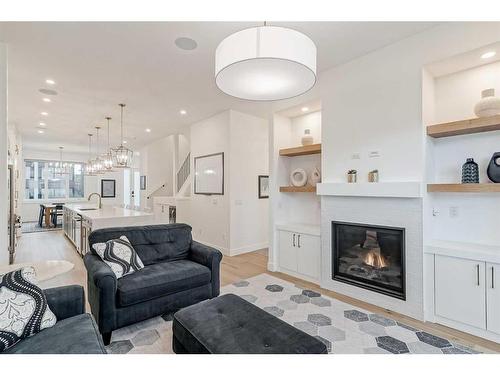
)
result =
(99, 197)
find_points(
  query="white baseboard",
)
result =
(248, 249)
(223, 250)
(488, 335)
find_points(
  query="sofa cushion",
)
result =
(75, 335)
(153, 243)
(161, 279)
(120, 255)
(23, 307)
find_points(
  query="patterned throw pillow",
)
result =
(23, 307)
(119, 255)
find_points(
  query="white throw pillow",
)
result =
(23, 307)
(119, 255)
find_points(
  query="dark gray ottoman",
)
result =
(230, 325)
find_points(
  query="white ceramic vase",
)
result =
(489, 105)
(298, 177)
(307, 139)
(315, 177)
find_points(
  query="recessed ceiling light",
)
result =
(40, 131)
(42, 123)
(148, 130)
(44, 113)
(50, 81)
(187, 44)
(46, 100)
(47, 91)
(305, 109)
(182, 112)
(489, 54)
(124, 142)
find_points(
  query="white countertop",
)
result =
(106, 212)
(485, 253)
(311, 229)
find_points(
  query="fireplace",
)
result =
(369, 256)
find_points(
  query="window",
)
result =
(42, 181)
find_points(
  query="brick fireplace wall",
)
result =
(396, 212)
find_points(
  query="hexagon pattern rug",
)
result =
(344, 328)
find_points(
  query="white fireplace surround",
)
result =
(396, 189)
(395, 212)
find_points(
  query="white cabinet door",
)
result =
(493, 297)
(288, 250)
(460, 290)
(308, 254)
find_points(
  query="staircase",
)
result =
(183, 176)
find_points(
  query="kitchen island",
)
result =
(79, 220)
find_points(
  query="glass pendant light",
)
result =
(122, 155)
(98, 162)
(61, 167)
(89, 167)
(107, 158)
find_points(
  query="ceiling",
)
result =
(98, 65)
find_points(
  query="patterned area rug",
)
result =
(32, 227)
(344, 328)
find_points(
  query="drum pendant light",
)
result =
(265, 63)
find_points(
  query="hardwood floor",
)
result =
(35, 247)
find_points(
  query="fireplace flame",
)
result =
(375, 260)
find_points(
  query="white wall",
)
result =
(237, 221)
(210, 215)
(156, 163)
(311, 121)
(249, 158)
(374, 103)
(4, 242)
(455, 96)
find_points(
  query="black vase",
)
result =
(470, 172)
(494, 168)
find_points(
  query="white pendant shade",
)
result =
(265, 63)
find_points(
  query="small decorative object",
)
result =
(307, 139)
(209, 174)
(315, 177)
(494, 168)
(108, 188)
(470, 172)
(298, 177)
(143, 182)
(373, 176)
(263, 187)
(489, 105)
(352, 176)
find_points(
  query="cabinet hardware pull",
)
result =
(294, 240)
(492, 277)
(477, 273)
(298, 240)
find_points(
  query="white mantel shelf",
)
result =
(403, 189)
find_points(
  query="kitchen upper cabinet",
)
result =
(299, 254)
(460, 290)
(493, 297)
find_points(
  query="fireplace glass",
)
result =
(369, 256)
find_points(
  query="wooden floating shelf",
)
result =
(471, 126)
(298, 189)
(302, 150)
(463, 188)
